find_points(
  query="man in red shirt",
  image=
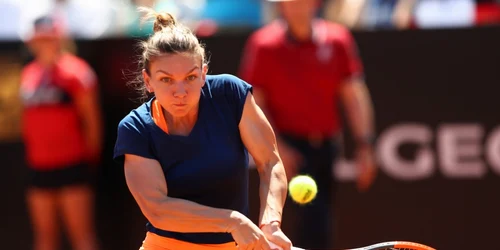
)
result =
(62, 134)
(300, 67)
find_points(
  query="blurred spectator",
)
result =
(87, 19)
(403, 14)
(425, 14)
(345, 12)
(62, 135)
(202, 16)
(487, 12)
(95, 19)
(378, 14)
(444, 13)
(186, 11)
(301, 67)
(83, 19)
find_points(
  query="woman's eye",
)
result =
(166, 79)
(191, 78)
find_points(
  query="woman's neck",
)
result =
(181, 125)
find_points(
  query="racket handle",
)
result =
(276, 247)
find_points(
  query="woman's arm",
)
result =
(259, 139)
(147, 184)
(290, 158)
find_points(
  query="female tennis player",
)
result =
(185, 151)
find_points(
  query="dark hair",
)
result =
(169, 37)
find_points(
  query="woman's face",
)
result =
(176, 80)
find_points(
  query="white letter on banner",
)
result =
(459, 150)
(399, 168)
(493, 150)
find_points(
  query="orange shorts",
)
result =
(156, 242)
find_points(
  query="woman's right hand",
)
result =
(247, 235)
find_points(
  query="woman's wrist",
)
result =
(273, 225)
(234, 220)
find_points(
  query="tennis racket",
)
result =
(389, 245)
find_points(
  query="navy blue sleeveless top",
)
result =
(210, 165)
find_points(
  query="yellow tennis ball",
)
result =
(302, 189)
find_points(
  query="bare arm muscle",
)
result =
(147, 184)
(259, 139)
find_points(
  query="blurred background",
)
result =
(431, 68)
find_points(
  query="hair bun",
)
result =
(163, 20)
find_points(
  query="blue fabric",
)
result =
(210, 165)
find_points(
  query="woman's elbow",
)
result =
(273, 169)
(266, 165)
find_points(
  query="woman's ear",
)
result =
(147, 81)
(204, 72)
